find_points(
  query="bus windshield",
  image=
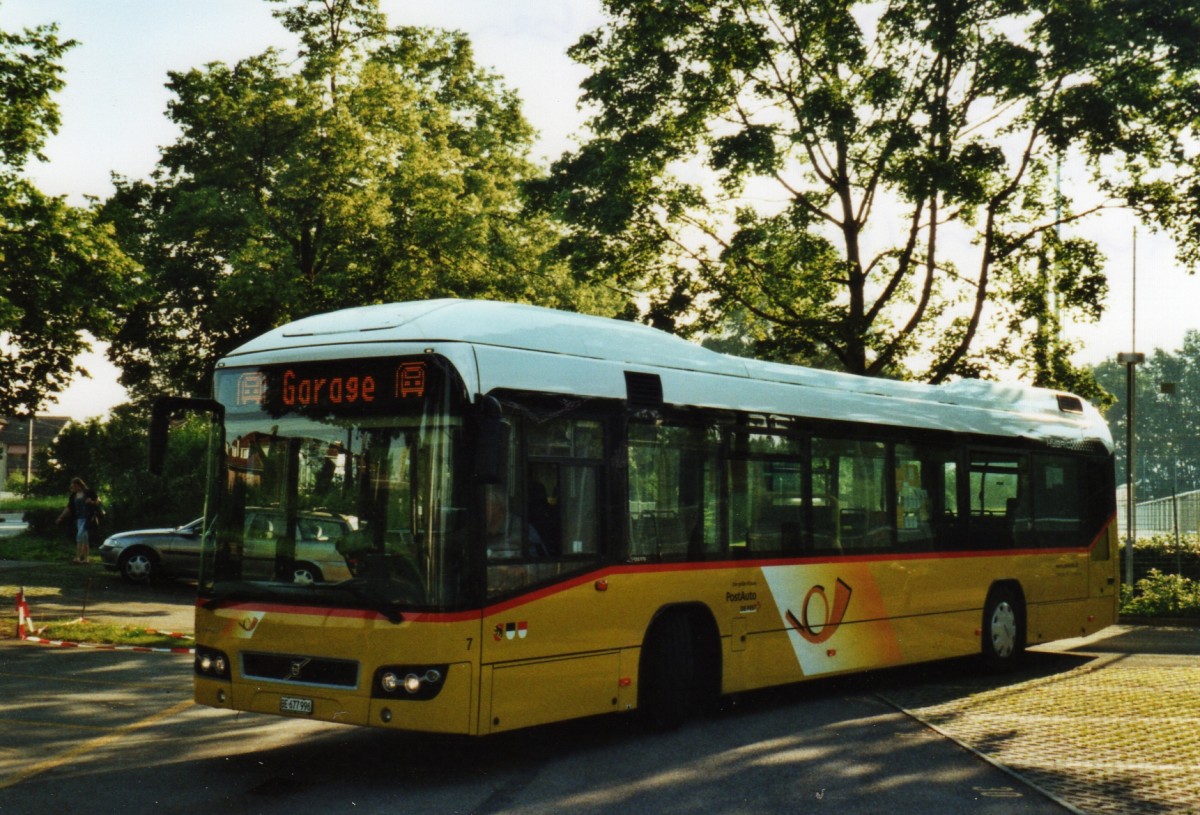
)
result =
(341, 483)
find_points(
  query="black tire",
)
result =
(139, 566)
(1003, 629)
(305, 574)
(665, 673)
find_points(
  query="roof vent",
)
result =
(1070, 404)
(643, 390)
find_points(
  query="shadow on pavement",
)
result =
(1143, 639)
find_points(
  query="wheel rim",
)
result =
(1004, 629)
(138, 567)
(303, 577)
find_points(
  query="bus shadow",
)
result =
(808, 729)
(1164, 640)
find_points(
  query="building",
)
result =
(14, 441)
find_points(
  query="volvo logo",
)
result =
(297, 668)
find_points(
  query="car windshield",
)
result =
(342, 480)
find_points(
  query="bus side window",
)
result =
(672, 503)
(1100, 503)
(543, 520)
(1058, 501)
(926, 498)
(766, 495)
(1000, 512)
(850, 488)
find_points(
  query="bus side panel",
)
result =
(939, 636)
(1059, 621)
(1054, 577)
(555, 654)
(533, 693)
(1049, 621)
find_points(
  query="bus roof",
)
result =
(965, 405)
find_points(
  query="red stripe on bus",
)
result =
(651, 568)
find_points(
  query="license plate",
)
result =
(295, 704)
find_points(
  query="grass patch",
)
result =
(24, 504)
(110, 634)
(36, 547)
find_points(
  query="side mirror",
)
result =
(491, 450)
(164, 408)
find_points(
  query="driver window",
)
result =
(544, 520)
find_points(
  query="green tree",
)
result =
(383, 165)
(60, 272)
(111, 457)
(872, 183)
(1167, 419)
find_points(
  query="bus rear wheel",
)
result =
(1003, 628)
(665, 672)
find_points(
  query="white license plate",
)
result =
(295, 704)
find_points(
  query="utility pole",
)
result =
(29, 456)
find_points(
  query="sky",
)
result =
(113, 112)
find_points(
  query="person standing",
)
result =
(81, 509)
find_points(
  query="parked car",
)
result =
(149, 554)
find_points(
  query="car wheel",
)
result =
(305, 574)
(139, 566)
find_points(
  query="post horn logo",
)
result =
(817, 632)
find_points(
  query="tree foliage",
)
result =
(1166, 419)
(59, 271)
(381, 165)
(111, 457)
(873, 184)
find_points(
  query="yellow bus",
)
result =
(547, 515)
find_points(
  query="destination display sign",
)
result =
(324, 388)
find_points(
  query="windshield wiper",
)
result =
(382, 595)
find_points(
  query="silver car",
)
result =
(149, 554)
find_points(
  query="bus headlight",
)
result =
(211, 663)
(415, 682)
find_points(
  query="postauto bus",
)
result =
(550, 515)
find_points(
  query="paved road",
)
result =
(108, 731)
(1110, 724)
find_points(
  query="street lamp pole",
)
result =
(1130, 361)
(1168, 389)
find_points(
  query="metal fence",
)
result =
(1164, 516)
(1167, 531)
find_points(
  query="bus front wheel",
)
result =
(1003, 628)
(665, 672)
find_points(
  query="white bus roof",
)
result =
(522, 347)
